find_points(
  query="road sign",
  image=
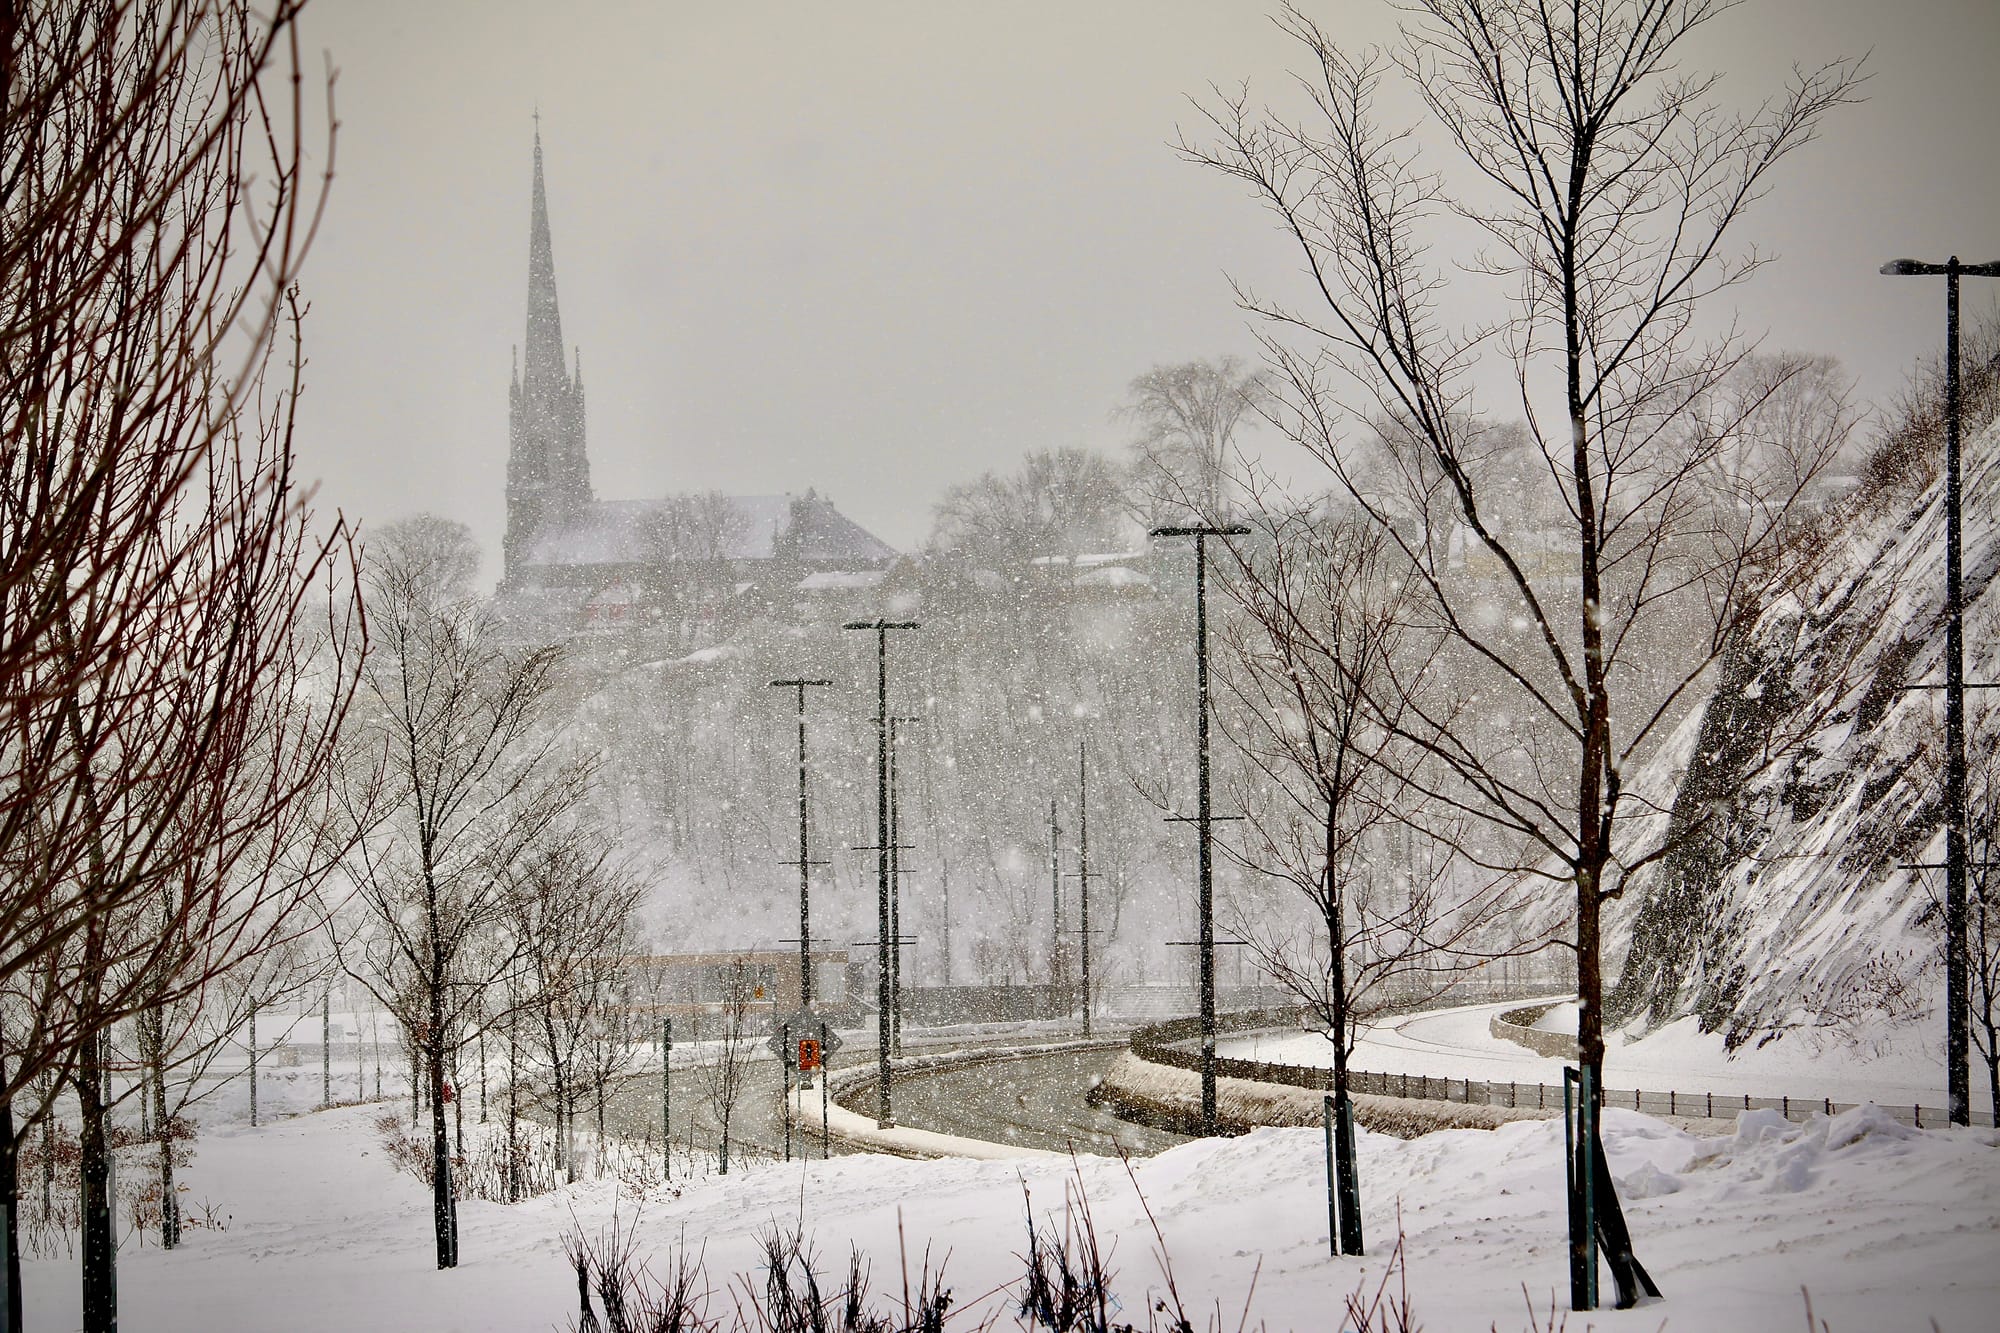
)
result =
(789, 1035)
(809, 1055)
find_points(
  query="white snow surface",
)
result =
(1458, 1043)
(1886, 1227)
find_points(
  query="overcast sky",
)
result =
(877, 248)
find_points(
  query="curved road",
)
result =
(1035, 1101)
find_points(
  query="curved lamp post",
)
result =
(1957, 993)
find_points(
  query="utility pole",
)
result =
(1058, 973)
(896, 850)
(1957, 987)
(884, 1118)
(1204, 814)
(805, 861)
(1083, 868)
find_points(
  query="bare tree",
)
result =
(1607, 184)
(572, 912)
(140, 492)
(1983, 949)
(154, 707)
(441, 553)
(454, 748)
(1324, 629)
(722, 1059)
(1187, 417)
(698, 528)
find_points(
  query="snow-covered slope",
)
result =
(1808, 783)
(1886, 1227)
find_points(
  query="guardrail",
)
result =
(1165, 1044)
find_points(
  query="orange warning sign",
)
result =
(809, 1057)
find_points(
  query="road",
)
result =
(1036, 1101)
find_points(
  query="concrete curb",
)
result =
(1518, 1026)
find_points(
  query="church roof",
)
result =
(756, 527)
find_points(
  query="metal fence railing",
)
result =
(1166, 1044)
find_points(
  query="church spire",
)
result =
(545, 342)
(548, 469)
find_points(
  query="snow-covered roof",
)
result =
(757, 527)
(837, 580)
(1112, 576)
(705, 656)
(1090, 559)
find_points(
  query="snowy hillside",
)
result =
(1811, 777)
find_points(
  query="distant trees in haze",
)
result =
(1187, 417)
(1057, 504)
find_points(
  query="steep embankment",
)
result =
(1809, 781)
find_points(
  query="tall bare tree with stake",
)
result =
(1607, 183)
(454, 748)
(1328, 795)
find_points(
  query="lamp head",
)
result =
(1903, 268)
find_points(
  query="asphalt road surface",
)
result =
(1037, 1102)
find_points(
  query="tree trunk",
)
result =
(563, 1128)
(1347, 1173)
(48, 1153)
(100, 1260)
(154, 1026)
(444, 1209)
(600, 1129)
(513, 1120)
(10, 1205)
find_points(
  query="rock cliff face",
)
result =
(1810, 778)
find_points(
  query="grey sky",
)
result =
(879, 247)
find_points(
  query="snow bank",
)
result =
(1887, 1227)
(1459, 1043)
(1170, 1097)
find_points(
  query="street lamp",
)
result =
(1204, 815)
(1957, 996)
(805, 858)
(884, 1117)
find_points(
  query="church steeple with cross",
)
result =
(548, 469)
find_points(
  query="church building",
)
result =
(573, 558)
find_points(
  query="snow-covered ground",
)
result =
(1886, 1227)
(1458, 1043)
